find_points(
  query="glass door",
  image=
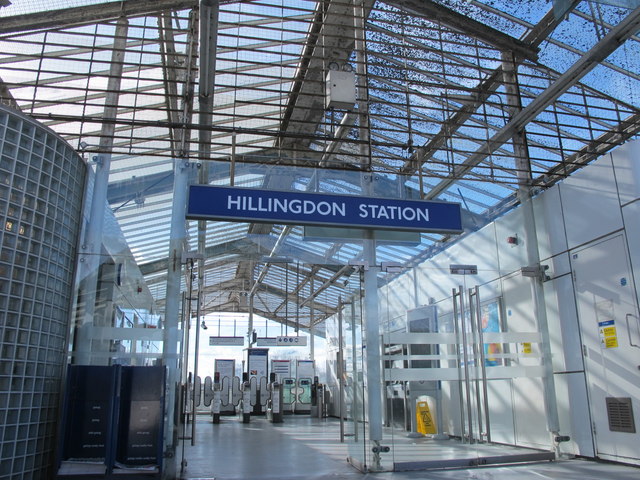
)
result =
(352, 373)
(431, 417)
(463, 378)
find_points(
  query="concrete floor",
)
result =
(308, 448)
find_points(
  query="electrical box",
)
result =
(340, 90)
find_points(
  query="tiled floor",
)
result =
(308, 448)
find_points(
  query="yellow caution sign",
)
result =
(424, 420)
(608, 334)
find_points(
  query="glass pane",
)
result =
(464, 374)
(355, 426)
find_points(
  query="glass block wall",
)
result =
(42, 183)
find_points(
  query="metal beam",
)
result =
(72, 17)
(331, 38)
(535, 37)
(614, 39)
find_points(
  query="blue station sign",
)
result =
(300, 208)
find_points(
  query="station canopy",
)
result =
(479, 102)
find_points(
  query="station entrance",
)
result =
(462, 380)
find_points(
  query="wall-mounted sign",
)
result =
(283, 341)
(463, 269)
(226, 341)
(266, 342)
(608, 334)
(208, 202)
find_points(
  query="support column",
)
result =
(177, 246)
(523, 166)
(371, 314)
(171, 332)
(209, 11)
(311, 320)
(91, 257)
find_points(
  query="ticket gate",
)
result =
(245, 402)
(318, 399)
(303, 396)
(275, 402)
(216, 402)
(288, 395)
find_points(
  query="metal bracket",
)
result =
(364, 265)
(186, 256)
(536, 271)
(391, 267)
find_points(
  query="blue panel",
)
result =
(299, 208)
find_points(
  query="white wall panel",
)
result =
(519, 305)
(433, 277)
(528, 393)
(566, 348)
(631, 215)
(501, 411)
(626, 163)
(590, 203)
(552, 238)
(529, 413)
(511, 257)
(573, 412)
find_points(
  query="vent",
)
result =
(620, 411)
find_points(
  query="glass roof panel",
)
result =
(433, 117)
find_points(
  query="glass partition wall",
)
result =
(464, 377)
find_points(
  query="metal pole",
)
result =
(354, 363)
(465, 356)
(177, 242)
(196, 353)
(456, 326)
(485, 386)
(183, 398)
(340, 370)
(311, 319)
(474, 317)
(523, 167)
(372, 320)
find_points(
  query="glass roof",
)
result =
(443, 88)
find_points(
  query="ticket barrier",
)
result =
(229, 395)
(303, 396)
(288, 395)
(245, 403)
(318, 399)
(275, 402)
(216, 402)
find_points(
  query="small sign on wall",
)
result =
(282, 341)
(226, 341)
(608, 334)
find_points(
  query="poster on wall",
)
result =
(225, 368)
(490, 321)
(257, 362)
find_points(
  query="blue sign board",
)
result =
(299, 208)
